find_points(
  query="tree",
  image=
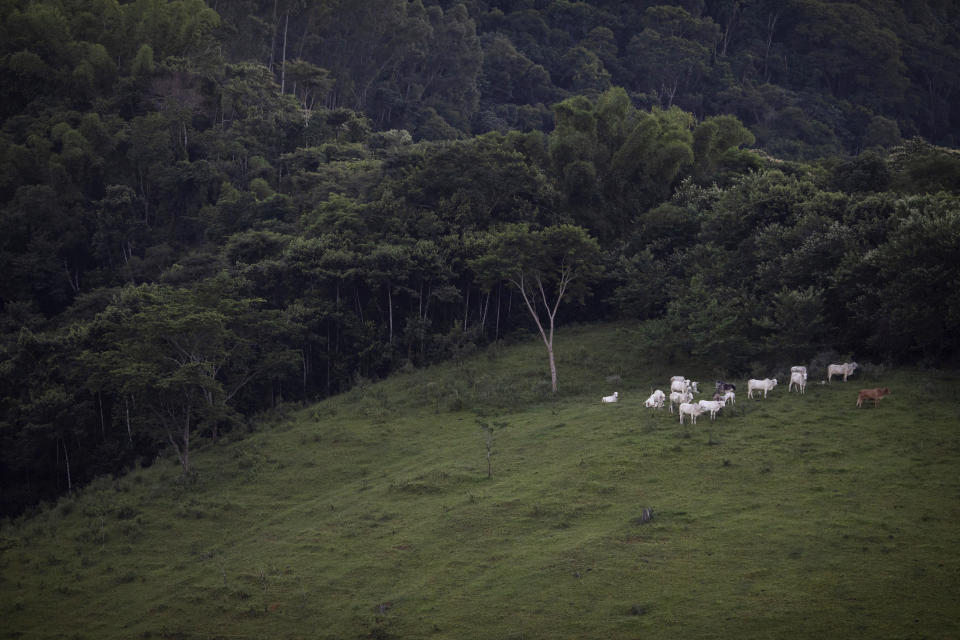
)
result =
(716, 141)
(911, 302)
(917, 167)
(488, 429)
(184, 354)
(645, 167)
(671, 52)
(795, 323)
(510, 77)
(848, 49)
(547, 267)
(476, 183)
(584, 72)
(310, 84)
(365, 43)
(614, 154)
(712, 323)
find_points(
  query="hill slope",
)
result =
(371, 515)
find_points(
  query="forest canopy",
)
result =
(210, 209)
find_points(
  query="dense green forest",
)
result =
(209, 209)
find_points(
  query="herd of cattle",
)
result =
(682, 390)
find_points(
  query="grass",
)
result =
(370, 515)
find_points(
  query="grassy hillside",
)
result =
(371, 515)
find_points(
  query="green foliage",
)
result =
(713, 323)
(642, 285)
(715, 143)
(919, 167)
(671, 52)
(914, 302)
(345, 164)
(478, 183)
(561, 258)
(143, 64)
(796, 325)
(608, 154)
(183, 354)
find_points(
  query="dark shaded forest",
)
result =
(210, 209)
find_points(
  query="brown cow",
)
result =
(872, 394)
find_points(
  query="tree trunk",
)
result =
(547, 338)
(103, 428)
(72, 278)
(273, 38)
(66, 459)
(390, 310)
(727, 32)
(553, 365)
(484, 310)
(771, 28)
(126, 406)
(283, 58)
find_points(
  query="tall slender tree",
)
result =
(547, 267)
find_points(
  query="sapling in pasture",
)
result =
(488, 429)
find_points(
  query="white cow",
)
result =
(845, 369)
(690, 409)
(764, 385)
(613, 398)
(799, 379)
(680, 386)
(679, 398)
(729, 397)
(712, 406)
(655, 400)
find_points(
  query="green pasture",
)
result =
(371, 515)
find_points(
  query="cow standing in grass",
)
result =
(872, 394)
(690, 409)
(846, 369)
(764, 385)
(799, 380)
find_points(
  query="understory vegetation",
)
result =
(375, 514)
